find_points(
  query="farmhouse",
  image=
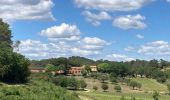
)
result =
(72, 70)
(77, 70)
(37, 69)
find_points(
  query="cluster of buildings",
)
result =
(72, 70)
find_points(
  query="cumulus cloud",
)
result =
(130, 22)
(64, 40)
(139, 36)
(11, 10)
(119, 57)
(155, 48)
(93, 43)
(96, 18)
(34, 49)
(112, 5)
(62, 32)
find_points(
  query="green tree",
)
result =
(104, 87)
(5, 34)
(103, 67)
(103, 77)
(139, 85)
(168, 86)
(60, 81)
(87, 68)
(133, 84)
(13, 66)
(50, 68)
(83, 84)
(155, 95)
(118, 88)
(73, 83)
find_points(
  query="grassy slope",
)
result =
(151, 85)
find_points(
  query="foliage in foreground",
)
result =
(36, 90)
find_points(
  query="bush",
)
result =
(83, 84)
(168, 86)
(139, 85)
(103, 77)
(155, 95)
(133, 84)
(104, 86)
(113, 79)
(118, 88)
(95, 88)
(60, 81)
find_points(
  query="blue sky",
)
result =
(120, 30)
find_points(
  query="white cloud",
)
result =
(129, 48)
(11, 10)
(64, 32)
(130, 22)
(96, 18)
(168, 0)
(119, 57)
(112, 5)
(139, 36)
(93, 43)
(155, 48)
(38, 50)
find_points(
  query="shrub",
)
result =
(83, 84)
(95, 88)
(155, 95)
(103, 78)
(113, 79)
(168, 86)
(139, 85)
(60, 81)
(133, 84)
(118, 88)
(104, 86)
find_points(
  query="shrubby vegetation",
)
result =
(36, 90)
(69, 82)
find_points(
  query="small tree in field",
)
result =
(133, 84)
(155, 95)
(118, 88)
(95, 88)
(83, 84)
(104, 87)
(139, 85)
(168, 86)
(103, 78)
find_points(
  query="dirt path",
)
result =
(82, 97)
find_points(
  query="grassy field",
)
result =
(145, 93)
(118, 96)
(148, 85)
(151, 85)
